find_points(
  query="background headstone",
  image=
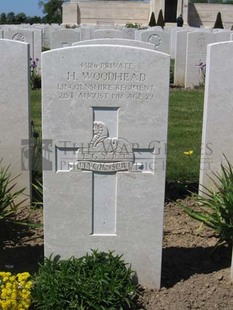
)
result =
(34, 38)
(180, 57)
(116, 42)
(64, 38)
(196, 54)
(108, 33)
(14, 107)
(21, 35)
(160, 39)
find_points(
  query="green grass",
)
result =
(36, 109)
(184, 132)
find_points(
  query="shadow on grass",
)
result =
(179, 190)
(15, 254)
(21, 259)
(182, 263)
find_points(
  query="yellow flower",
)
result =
(15, 291)
(188, 153)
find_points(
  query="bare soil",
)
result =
(192, 276)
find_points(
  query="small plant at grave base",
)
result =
(202, 72)
(15, 291)
(36, 155)
(36, 150)
(35, 77)
(95, 281)
(131, 25)
(8, 206)
(215, 207)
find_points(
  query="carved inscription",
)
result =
(201, 42)
(106, 81)
(105, 154)
(155, 39)
(19, 37)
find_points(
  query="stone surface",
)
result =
(105, 109)
(196, 54)
(64, 38)
(37, 43)
(108, 34)
(217, 121)
(70, 13)
(173, 38)
(222, 35)
(180, 58)
(129, 33)
(14, 106)
(160, 39)
(21, 35)
(87, 32)
(34, 38)
(217, 133)
(102, 12)
(117, 42)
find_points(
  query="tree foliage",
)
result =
(20, 18)
(52, 10)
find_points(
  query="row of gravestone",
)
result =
(105, 111)
(188, 46)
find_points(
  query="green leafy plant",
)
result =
(202, 73)
(8, 195)
(172, 65)
(131, 25)
(35, 78)
(95, 281)
(37, 189)
(214, 208)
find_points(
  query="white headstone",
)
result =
(117, 42)
(108, 33)
(105, 110)
(160, 39)
(217, 134)
(173, 38)
(64, 38)
(217, 131)
(221, 36)
(14, 107)
(37, 44)
(86, 32)
(129, 33)
(180, 58)
(34, 38)
(196, 55)
(21, 35)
